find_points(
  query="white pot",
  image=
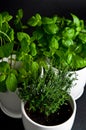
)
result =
(78, 89)
(10, 104)
(31, 125)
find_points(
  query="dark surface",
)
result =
(79, 124)
(45, 7)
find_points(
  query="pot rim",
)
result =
(74, 107)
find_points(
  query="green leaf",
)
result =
(11, 34)
(37, 35)
(19, 14)
(51, 28)
(82, 37)
(6, 50)
(6, 17)
(80, 62)
(68, 33)
(25, 46)
(4, 67)
(11, 82)
(35, 20)
(47, 20)
(34, 69)
(2, 77)
(54, 43)
(67, 42)
(22, 35)
(69, 58)
(75, 20)
(33, 49)
(83, 52)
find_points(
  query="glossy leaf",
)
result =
(35, 20)
(11, 82)
(51, 29)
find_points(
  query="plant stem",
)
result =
(5, 35)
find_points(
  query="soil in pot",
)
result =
(57, 118)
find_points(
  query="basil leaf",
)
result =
(11, 82)
(51, 29)
(33, 49)
(67, 42)
(22, 35)
(35, 20)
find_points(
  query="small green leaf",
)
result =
(47, 20)
(54, 43)
(35, 20)
(34, 69)
(33, 49)
(67, 42)
(11, 34)
(75, 20)
(51, 28)
(11, 82)
(82, 37)
(80, 62)
(2, 77)
(4, 67)
(6, 17)
(69, 58)
(68, 33)
(37, 35)
(20, 14)
(22, 35)
(25, 46)
(6, 50)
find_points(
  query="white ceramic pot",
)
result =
(10, 104)
(78, 89)
(31, 125)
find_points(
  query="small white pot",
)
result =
(31, 125)
(78, 89)
(10, 104)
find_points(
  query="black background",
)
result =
(45, 7)
(49, 8)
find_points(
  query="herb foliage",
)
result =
(60, 39)
(47, 93)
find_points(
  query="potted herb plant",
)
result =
(62, 41)
(46, 103)
(13, 68)
(9, 65)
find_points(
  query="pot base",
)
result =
(9, 113)
(78, 95)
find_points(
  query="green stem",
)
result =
(5, 35)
